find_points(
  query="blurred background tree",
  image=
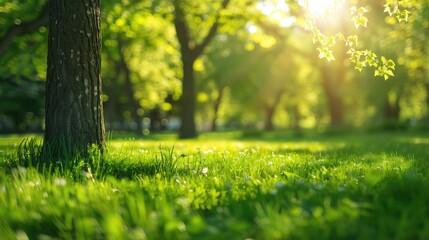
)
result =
(186, 66)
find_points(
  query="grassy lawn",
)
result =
(224, 186)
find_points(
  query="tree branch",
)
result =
(24, 28)
(212, 32)
(182, 30)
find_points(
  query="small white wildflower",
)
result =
(183, 202)
(115, 190)
(34, 184)
(273, 191)
(270, 163)
(181, 227)
(177, 179)
(205, 170)
(210, 151)
(60, 182)
(21, 235)
(143, 150)
(89, 175)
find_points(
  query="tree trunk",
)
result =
(392, 110)
(134, 104)
(216, 106)
(188, 99)
(427, 99)
(296, 120)
(74, 110)
(111, 112)
(190, 51)
(331, 82)
(269, 113)
(270, 110)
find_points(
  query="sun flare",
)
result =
(318, 8)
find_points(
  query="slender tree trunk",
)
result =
(427, 99)
(111, 112)
(331, 82)
(155, 120)
(134, 104)
(392, 110)
(190, 51)
(74, 110)
(216, 106)
(270, 110)
(269, 113)
(188, 99)
(296, 119)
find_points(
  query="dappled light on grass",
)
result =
(354, 186)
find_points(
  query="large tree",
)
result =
(190, 50)
(74, 111)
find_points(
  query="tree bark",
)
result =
(74, 110)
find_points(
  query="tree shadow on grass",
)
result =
(95, 163)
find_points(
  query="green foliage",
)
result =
(338, 187)
(360, 58)
(394, 9)
(166, 163)
(358, 17)
(389, 43)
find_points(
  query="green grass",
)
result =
(224, 186)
